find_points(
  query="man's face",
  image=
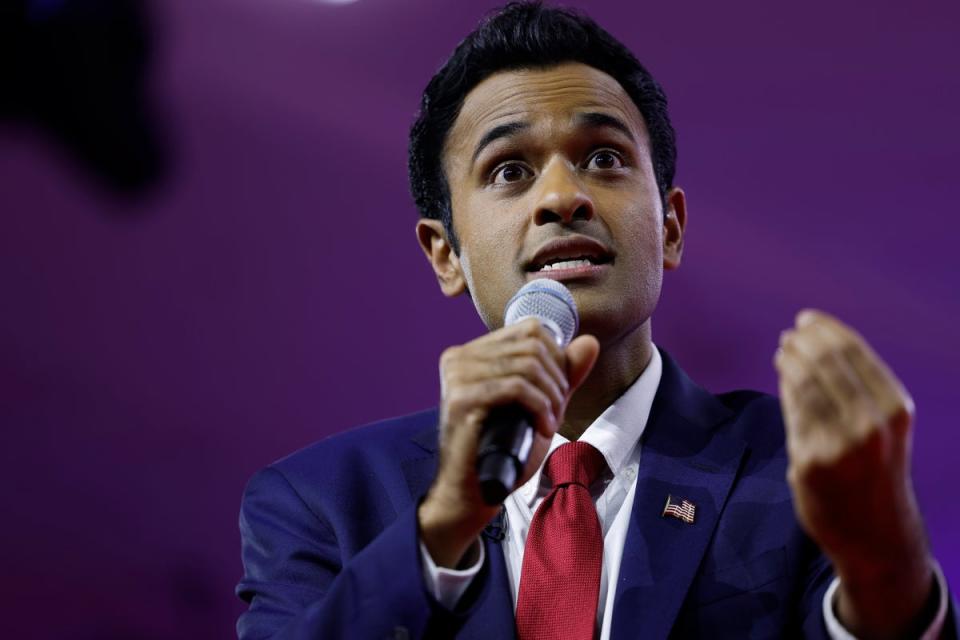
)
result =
(550, 176)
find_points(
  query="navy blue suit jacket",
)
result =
(330, 546)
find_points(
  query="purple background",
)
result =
(153, 356)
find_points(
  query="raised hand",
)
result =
(849, 424)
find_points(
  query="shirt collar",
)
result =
(617, 430)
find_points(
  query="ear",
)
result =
(445, 262)
(674, 227)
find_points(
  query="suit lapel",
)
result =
(682, 455)
(492, 616)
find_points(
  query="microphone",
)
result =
(507, 432)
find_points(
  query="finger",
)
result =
(528, 336)
(887, 393)
(821, 359)
(814, 407)
(847, 352)
(470, 370)
(533, 328)
(467, 407)
(788, 381)
(532, 347)
(527, 328)
(532, 370)
(807, 447)
(517, 390)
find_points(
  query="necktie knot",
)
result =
(575, 463)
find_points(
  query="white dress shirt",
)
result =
(616, 434)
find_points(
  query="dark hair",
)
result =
(526, 35)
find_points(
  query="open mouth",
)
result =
(556, 264)
(570, 255)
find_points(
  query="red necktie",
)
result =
(560, 578)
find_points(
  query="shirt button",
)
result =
(629, 474)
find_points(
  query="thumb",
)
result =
(581, 356)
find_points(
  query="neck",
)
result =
(618, 366)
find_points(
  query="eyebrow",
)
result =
(590, 120)
(500, 131)
(597, 120)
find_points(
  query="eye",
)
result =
(605, 159)
(509, 173)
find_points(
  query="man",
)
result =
(648, 508)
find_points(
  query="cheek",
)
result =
(488, 257)
(648, 240)
(490, 237)
(480, 296)
(642, 235)
(643, 249)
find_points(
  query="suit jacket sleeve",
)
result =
(298, 586)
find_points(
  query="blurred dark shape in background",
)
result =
(78, 70)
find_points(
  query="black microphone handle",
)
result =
(501, 455)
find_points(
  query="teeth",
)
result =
(566, 264)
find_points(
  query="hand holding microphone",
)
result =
(508, 379)
(508, 435)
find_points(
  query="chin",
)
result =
(609, 320)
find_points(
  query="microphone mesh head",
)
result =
(551, 303)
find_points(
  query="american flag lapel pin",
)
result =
(680, 509)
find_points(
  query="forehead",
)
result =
(553, 95)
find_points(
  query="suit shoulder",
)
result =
(750, 400)
(368, 444)
(757, 417)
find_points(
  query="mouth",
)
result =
(564, 263)
(570, 254)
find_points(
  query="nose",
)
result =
(561, 197)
